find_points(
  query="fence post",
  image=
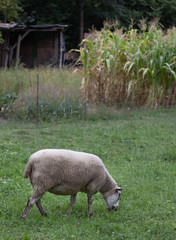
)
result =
(37, 102)
(85, 105)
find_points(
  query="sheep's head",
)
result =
(112, 198)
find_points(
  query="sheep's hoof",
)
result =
(90, 215)
(68, 212)
(22, 217)
(45, 215)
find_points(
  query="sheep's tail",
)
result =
(28, 170)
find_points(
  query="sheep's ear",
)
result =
(118, 189)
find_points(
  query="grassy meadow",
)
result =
(138, 149)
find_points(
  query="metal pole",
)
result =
(85, 105)
(37, 103)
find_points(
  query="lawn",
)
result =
(138, 149)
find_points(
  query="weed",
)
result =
(5, 101)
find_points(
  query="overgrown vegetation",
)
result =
(139, 150)
(59, 93)
(133, 67)
(120, 68)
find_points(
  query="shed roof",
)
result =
(7, 26)
(15, 26)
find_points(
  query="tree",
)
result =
(81, 32)
(165, 10)
(10, 9)
(81, 15)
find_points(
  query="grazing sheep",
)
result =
(65, 172)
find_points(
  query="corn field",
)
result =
(136, 67)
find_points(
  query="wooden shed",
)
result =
(32, 45)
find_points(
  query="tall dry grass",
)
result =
(130, 66)
(19, 79)
(59, 93)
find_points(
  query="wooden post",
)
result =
(37, 103)
(6, 58)
(10, 55)
(5, 53)
(18, 49)
(56, 48)
(22, 37)
(85, 98)
(60, 49)
(85, 105)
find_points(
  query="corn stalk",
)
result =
(136, 67)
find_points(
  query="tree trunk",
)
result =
(81, 36)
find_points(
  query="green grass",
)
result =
(139, 150)
(20, 79)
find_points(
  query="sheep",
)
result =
(66, 172)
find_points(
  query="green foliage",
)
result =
(165, 10)
(128, 12)
(10, 9)
(5, 101)
(138, 149)
(136, 67)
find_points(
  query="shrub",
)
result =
(5, 101)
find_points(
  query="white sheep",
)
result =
(65, 172)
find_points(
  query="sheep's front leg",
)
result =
(72, 200)
(42, 211)
(90, 213)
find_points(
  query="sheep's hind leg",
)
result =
(90, 213)
(72, 200)
(42, 211)
(31, 201)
